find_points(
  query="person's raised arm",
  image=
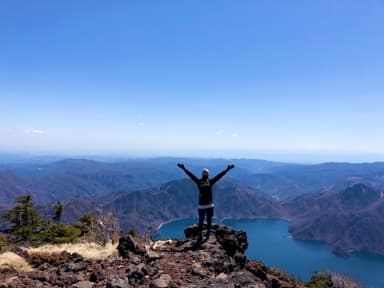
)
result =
(189, 173)
(221, 174)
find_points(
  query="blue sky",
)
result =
(284, 80)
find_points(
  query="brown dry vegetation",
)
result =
(54, 253)
(12, 261)
(91, 251)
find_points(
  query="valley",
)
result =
(338, 203)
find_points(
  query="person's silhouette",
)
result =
(205, 194)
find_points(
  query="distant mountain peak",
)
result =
(350, 219)
(359, 196)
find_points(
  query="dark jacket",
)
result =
(205, 186)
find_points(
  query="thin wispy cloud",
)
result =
(218, 133)
(35, 131)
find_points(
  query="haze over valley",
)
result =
(339, 203)
(99, 102)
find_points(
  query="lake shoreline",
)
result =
(219, 221)
(337, 252)
(268, 242)
(222, 219)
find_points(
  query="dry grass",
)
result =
(89, 251)
(10, 260)
(160, 244)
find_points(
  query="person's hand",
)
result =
(181, 165)
(229, 167)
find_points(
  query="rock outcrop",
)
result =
(217, 261)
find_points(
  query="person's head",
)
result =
(205, 173)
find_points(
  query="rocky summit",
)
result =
(218, 260)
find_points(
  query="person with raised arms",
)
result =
(206, 204)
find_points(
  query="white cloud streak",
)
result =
(218, 133)
(35, 131)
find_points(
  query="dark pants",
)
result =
(202, 213)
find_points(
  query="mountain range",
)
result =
(62, 179)
(178, 199)
(339, 203)
(349, 219)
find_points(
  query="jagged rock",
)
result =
(118, 281)
(42, 276)
(222, 277)
(67, 279)
(240, 259)
(149, 270)
(76, 257)
(257, 268)
(130, 244)
(95, 276)
(339, 280)
(243, 279)
(162, 282)
(197, 269)
(275, 283)
(216, 261)
(136, 274)
(232, 241)
(74, 267)
(191, 231)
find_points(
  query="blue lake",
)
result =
(270, 242)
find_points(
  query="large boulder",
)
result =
(129, 244)
(233, 242)
(118, 281)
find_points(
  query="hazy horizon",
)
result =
(279, 80)
(304, 158)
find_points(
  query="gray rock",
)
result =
(96, 275)
(162, 282)
(258, 269)
(222, 277)
(149, 270)
(76, 257)
(118, 281)
(243, 279)
(228, 240)
(197, 269)
(193, 230)
(240, 259)
(75, 267)
(42, 276)
(83, 284)
(136, 274)
(130, 244)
